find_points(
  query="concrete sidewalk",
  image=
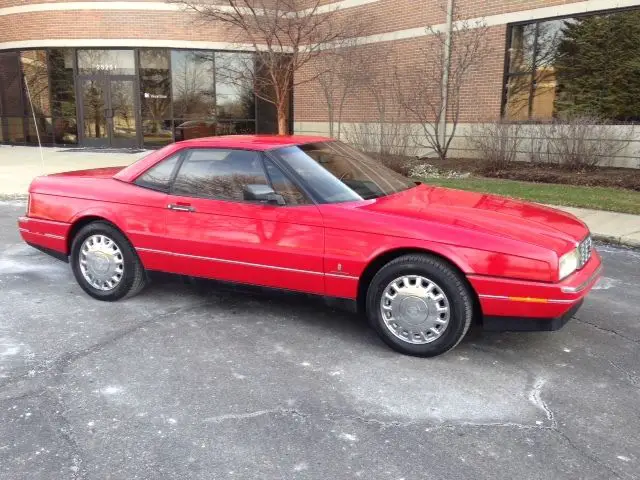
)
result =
(612, 227)
(18, 166)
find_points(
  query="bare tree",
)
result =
(341, 73)
(389, 135)
(286, 36)
(430, 94)
(497, 143)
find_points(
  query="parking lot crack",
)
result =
(58, 416)
(607, 330)
(631, 378)
(518, 426)
(536, 397)
(58, 366)
(589, 456)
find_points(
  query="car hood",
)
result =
(527, 222)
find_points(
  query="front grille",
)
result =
(585, 248)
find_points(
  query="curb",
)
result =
(13, 197)
(613, 240)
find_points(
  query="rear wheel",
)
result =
(105, 264)
(420, 305)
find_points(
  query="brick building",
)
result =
(143, 73)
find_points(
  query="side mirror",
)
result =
(263, 194)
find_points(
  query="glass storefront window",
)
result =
(187, 129)
(94, 101)
(65, 131)
(521, 49)
(45, 130)
(266, 117)
(15, 129)
(63, 95)
(155, 96)
(519, 91)
(124, 124)
(235, 97)
(156, 132)
(114, 62)
(177, 95)
(11, 98)
(236, 106)
(192, 73)
(155, 84)
(36, 77)
(236, 128)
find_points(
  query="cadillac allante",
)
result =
(313, 215)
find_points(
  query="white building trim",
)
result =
(575, 8)
(124, 42)
(506, 18)
(145, 6)
(67, 6)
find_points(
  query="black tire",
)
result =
(134, 277)
(451, 282)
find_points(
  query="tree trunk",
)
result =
(283, 121)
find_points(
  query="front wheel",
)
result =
(105, 264)
(420, 305)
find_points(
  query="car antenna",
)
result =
(35, 123)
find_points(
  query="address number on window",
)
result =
(105, 66)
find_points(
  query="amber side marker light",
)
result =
(529, 300)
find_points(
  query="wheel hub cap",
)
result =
(101, 262)
(415, 309)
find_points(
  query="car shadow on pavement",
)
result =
(254, 302)
(293, 307)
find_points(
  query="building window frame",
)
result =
(507, 75)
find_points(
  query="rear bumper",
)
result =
(516, 305)
(46, 235)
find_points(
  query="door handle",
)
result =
(181, 208)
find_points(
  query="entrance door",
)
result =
(108, 109)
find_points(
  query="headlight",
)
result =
(569, 263)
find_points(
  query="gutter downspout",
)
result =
(446, 70)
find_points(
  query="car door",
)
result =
(214, 230)
(142, 217)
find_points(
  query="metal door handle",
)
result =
(181, 208)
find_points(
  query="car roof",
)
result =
(245, 142)
(254, 142)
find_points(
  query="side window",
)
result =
(159, 176)
(281, 184)
(220, 174)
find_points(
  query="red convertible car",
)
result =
(313, 215)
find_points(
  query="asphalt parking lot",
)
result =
(201, 383)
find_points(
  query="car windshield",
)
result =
(336, 172)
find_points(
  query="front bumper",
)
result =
(524, 324)
(520, 305)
